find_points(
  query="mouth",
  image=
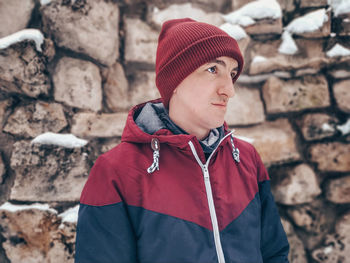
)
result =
(222, 105)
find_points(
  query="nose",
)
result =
(226, 87)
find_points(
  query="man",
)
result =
(180, 187)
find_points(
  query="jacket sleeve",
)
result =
(104, 231)
(274, 243)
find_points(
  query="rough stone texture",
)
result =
(338, 190)
(2, 170)
(20, 9)
(143, 88)
(89, 27)
(243, 44)
(22, 70)
(297, 251)
(140, 42)
(310, 55)
(339, 73)
(332, 156)
(116, 89)
(312, 3)
(236, 4)
(265, 26)
(295, 94)
(4, 105)
(109, 144)
(77, 83)
(341, 92)
(295, 185)
(98, 125)
(275, 141)
(287, 5)
(35, 236)
(324, 31)
(336, 247)
(342, 25)
(175, 11)
(34, 119)
(47, 172)
(237, 111)
(315, 126)
(315, 217)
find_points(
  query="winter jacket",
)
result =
(167, 203)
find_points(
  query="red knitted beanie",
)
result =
(183, 46)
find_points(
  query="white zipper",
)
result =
(209, 192)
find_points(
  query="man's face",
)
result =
(200, 100)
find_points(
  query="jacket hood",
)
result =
(135, 134)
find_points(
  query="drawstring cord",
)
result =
(235, 151)
(156, 147)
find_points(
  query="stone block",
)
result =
(23, 70)
(310, 55)
(341, 92)
(238, 110)
(2, 170)
(77, 83)
(336, 247)
(31, 120)
(296, 248)
(312, 3)
(143, 87)
(297, 185)
(32, 234)
(265, 27)
(315, 218)
(90, 27)
(237, 4)
(48, 173)
(331, 156)
(275, 141)
(337, 190)
(175, 11)
(296, 94)
(105, 125)
(14, 15)
(140, 42)
(315, 126)
(116, 89)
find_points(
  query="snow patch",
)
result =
(70, 215)
(308, 23)
(327, 128)
(328, 250)
(258, 59)
(14, 208)
(25, 34)
(288, 45)
(45, 2)
(345, 128)
(338, 51)
(249, 13)
(234, 31)
(340, 6)
(64, 140)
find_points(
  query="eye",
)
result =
(212, 69)
(233, 75)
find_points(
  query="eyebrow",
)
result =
(221, 62)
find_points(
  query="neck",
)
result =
(199, 132)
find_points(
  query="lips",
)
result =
(220, 104)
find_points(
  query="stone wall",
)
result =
(97, 60)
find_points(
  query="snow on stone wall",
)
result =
(71, 70)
